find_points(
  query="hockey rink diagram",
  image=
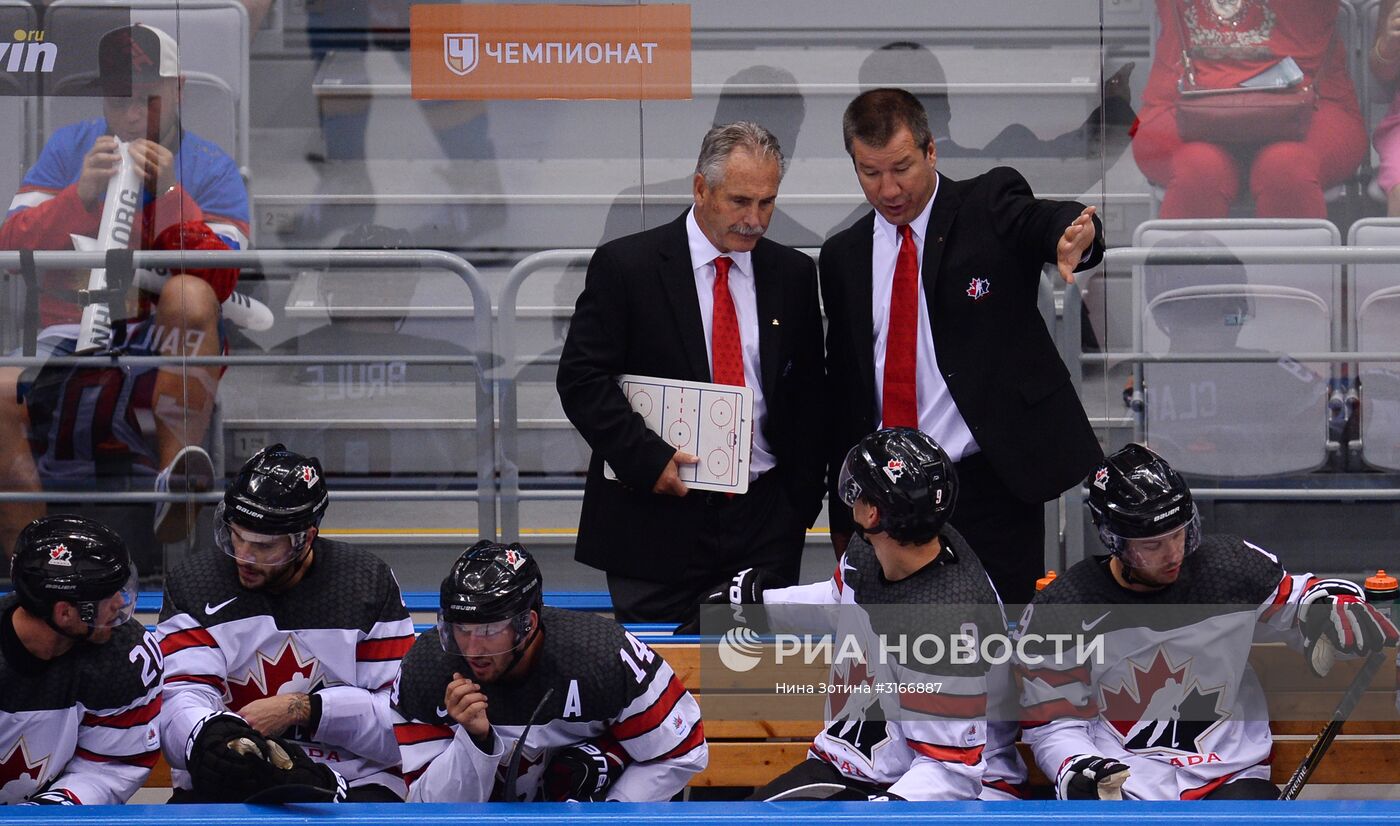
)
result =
(713, 422)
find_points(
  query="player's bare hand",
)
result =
(669, 482)
(272, 716)
(467, 705)
(99, 165)
(1076, 239)
(155, 163)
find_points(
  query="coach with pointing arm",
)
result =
(933, 323)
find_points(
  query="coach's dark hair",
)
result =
(875, 116)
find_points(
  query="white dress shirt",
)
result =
(938, 415)
(741, 289)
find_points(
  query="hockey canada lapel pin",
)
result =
(979, 288)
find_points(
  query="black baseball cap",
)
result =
(134, 54)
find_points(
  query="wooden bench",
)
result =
(752, 752)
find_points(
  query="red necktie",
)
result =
(900, 405)
(725, 347)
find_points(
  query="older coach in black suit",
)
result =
(703, 298)
(932, 322)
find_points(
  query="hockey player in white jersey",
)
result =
(285, 640)
(1168, 708)
(509, 700)
(80, 677)
(906, 571)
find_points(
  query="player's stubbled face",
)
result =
(1157, 561)
(487, 648)
(735, 212)
(260, 558)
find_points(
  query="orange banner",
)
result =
(545, 51)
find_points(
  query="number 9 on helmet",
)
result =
(909, 479)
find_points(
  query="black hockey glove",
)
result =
(1090, 777)
(297, 778)
(581, 772)
(744, 588)
(51, 798)
(227, 760)
(1336, 610)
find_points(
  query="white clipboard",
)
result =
(712, 421)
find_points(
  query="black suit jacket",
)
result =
(998, 359)
(638, 313)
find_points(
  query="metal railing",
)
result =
(482, 357)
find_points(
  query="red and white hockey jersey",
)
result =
(607, 684)
(1171, 694)
(338, 635)
(79, 728)
(931, 739)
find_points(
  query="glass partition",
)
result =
(1240, 323)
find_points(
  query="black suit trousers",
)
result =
(758, 529)
(1006, 533)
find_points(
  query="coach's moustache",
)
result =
(747, 231)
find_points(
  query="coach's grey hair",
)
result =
(721, 141)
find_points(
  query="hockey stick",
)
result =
(119, 211)
(1329, 732)
(513, 770)
(811, 791)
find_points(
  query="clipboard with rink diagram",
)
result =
(712, 421)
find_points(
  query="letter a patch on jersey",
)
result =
(573, 706)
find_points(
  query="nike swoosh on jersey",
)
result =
(1089, 626)
(214, 609)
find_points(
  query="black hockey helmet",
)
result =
(904, 473)
(1135, 494)
(63, 558)
(277, 492)
(491, 586)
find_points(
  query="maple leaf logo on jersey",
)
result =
(17, 765)
(1101, 478)
(857, 674)
(285, 673)
(307, 474)
(894, 469)
(1161, 707)
(978, 288)
(60, 555)
(860, 726)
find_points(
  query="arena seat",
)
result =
(1275, 308)
(1375, 303)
